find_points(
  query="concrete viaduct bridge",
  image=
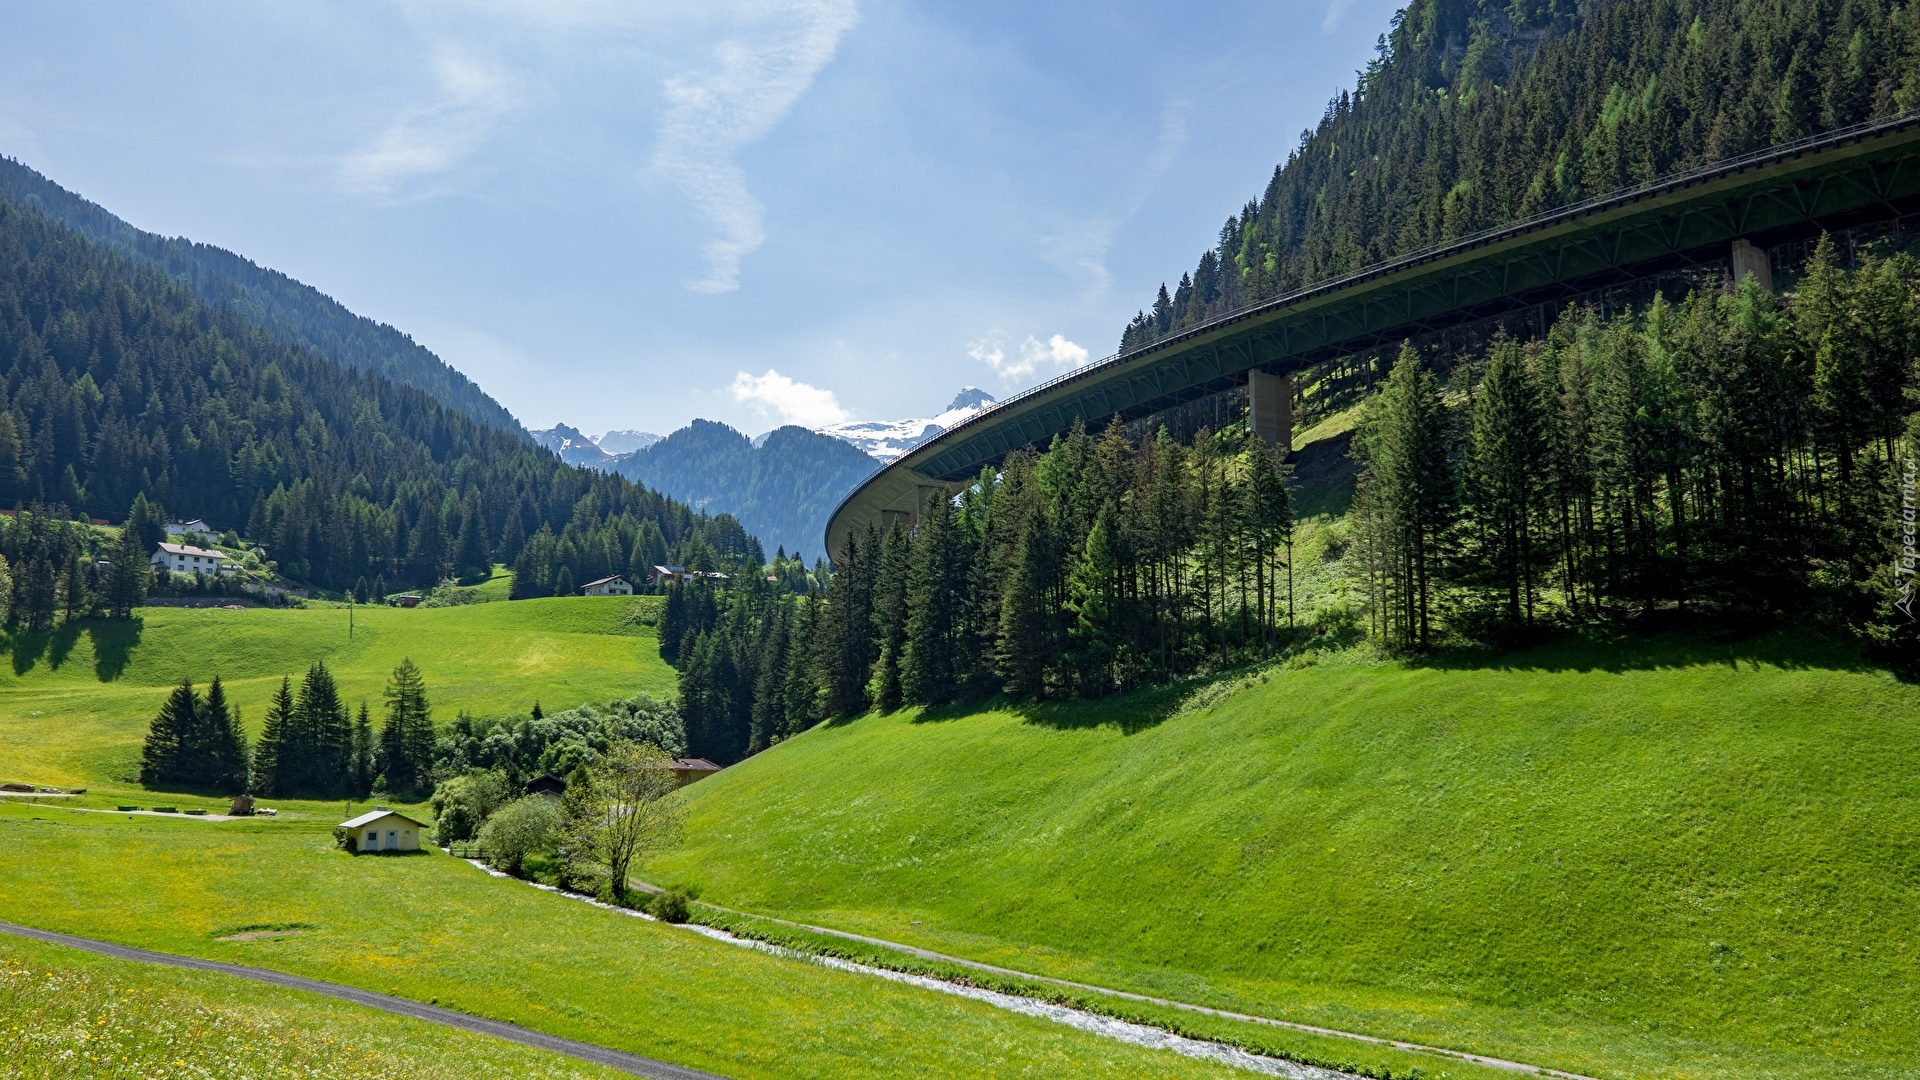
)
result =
(1732, 212)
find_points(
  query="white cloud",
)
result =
(1082, 248)
(711, 116)
(474, 97)
(1336, 11)
(773, 394)
(1055, 353)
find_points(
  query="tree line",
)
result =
(1479, 112)
(115, 382)
(1096, 566)
(1732, 453)
(310, 745)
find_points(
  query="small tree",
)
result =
(406, 739)
(127, 575)
(622, 812)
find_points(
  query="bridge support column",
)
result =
(1748, 259)
(1270, 408)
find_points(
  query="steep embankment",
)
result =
(75, 702)
(1648, 858)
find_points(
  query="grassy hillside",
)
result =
(431, 927)
(73, 1014)
(1661, 857)
(75, 702)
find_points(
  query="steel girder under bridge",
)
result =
(1840, 180)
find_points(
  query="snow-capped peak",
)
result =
(889, 439)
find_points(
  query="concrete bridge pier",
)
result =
(1748, 259)
(1270, 409)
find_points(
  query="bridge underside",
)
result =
(1719, 216)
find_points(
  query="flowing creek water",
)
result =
(1094, 1023)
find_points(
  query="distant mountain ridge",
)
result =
(782, 485)
(781, 491)
(889, 440)
(291, 312)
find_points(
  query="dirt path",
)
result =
(434, 1014)
(928, 954)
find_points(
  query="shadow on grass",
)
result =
(113, 643)
(1664, 641)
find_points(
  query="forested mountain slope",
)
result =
(118, 381)
(291, 312)
(782, 491)
(1478, 112)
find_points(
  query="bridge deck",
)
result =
(1838, 180)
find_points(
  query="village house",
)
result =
(617, 585)
(380, 829)
(688, 770)
(547, 784)
(196, 527)
(667, 575)
(187, 559)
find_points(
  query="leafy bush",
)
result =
(461, 804)
(669, 906)
(526, 747)
(525, 827)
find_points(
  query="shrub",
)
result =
(461, 804)
(524, 827)
(669, 906)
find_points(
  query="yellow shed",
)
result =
(381, 829)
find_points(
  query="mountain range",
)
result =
(782, 486)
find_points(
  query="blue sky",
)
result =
(627, 215)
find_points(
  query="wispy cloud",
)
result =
(1083, 247)
(774, 394)
(474, 97)
(1056, 353)
(1336, 11)
(755, 79)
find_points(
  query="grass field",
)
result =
(70, 1014)
(75, 702)
(1640, 857)
(431, 927)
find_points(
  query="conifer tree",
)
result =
(1407, 492)
(928, 672)
(406, 735)
(890, 616)
(363, 768)
(769, 720)
(1504, 485)
(274, 754)
(1091, 601)
(472, 560)
(223, 742)
(170, 738)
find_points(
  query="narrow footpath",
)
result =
(929, 954)
(433, 1014)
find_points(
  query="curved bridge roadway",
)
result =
(1736, 208)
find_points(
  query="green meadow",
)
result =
(1649, 857)
(434, 928)
(72, 1014)
(75, 702)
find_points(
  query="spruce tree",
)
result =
(363, 768)
(223, 742)
(275, 756)
(406, 736)
(769, 720)
(890, 616)
(126, 584)
(1408, 491)
(1092, 637)
(1505, 480)
(170, 738)
(928, 671)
